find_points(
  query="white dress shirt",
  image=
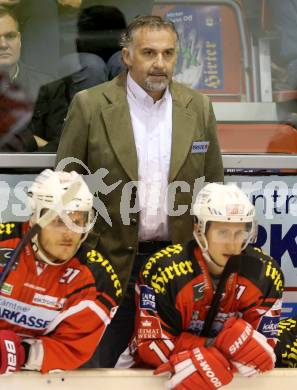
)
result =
(152, 127)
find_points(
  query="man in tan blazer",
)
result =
(142, 127)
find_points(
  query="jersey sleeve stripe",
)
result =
(76, 309)
(243, 309)
(80, 289)
(105, 302)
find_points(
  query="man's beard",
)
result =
(156, 86)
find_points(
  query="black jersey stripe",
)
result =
(101, 298)
(80, 289)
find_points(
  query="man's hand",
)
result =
(12, 353)
(246, 348)
(201, 368)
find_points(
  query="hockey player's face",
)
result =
(58, 241)
(225, 239)
(151, 58)
(10, 43)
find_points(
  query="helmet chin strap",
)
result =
(41, 255)
(209, 260)
(219, 268)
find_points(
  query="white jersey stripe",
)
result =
(76, 309)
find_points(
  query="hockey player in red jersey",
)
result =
(59, 296)
(175, 297)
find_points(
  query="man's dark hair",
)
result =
(148, 21)
(101, 17)
(7, 11)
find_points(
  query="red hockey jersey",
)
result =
(61, 311)
(175, 293)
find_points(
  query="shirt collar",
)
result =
(141, 96)
(16, 73)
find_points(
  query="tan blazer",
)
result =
(98, 131)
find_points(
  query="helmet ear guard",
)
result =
(222, 203)
(199, 234)
(46, 192)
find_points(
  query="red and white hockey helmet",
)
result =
(46, 192)
(223, 203)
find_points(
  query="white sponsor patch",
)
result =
(200, 146)
(49, 301)
(25, 315)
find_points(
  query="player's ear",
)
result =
(127, 56)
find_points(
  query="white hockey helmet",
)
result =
(46, 192)
(223, 203)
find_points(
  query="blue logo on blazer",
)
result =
(200, 146)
